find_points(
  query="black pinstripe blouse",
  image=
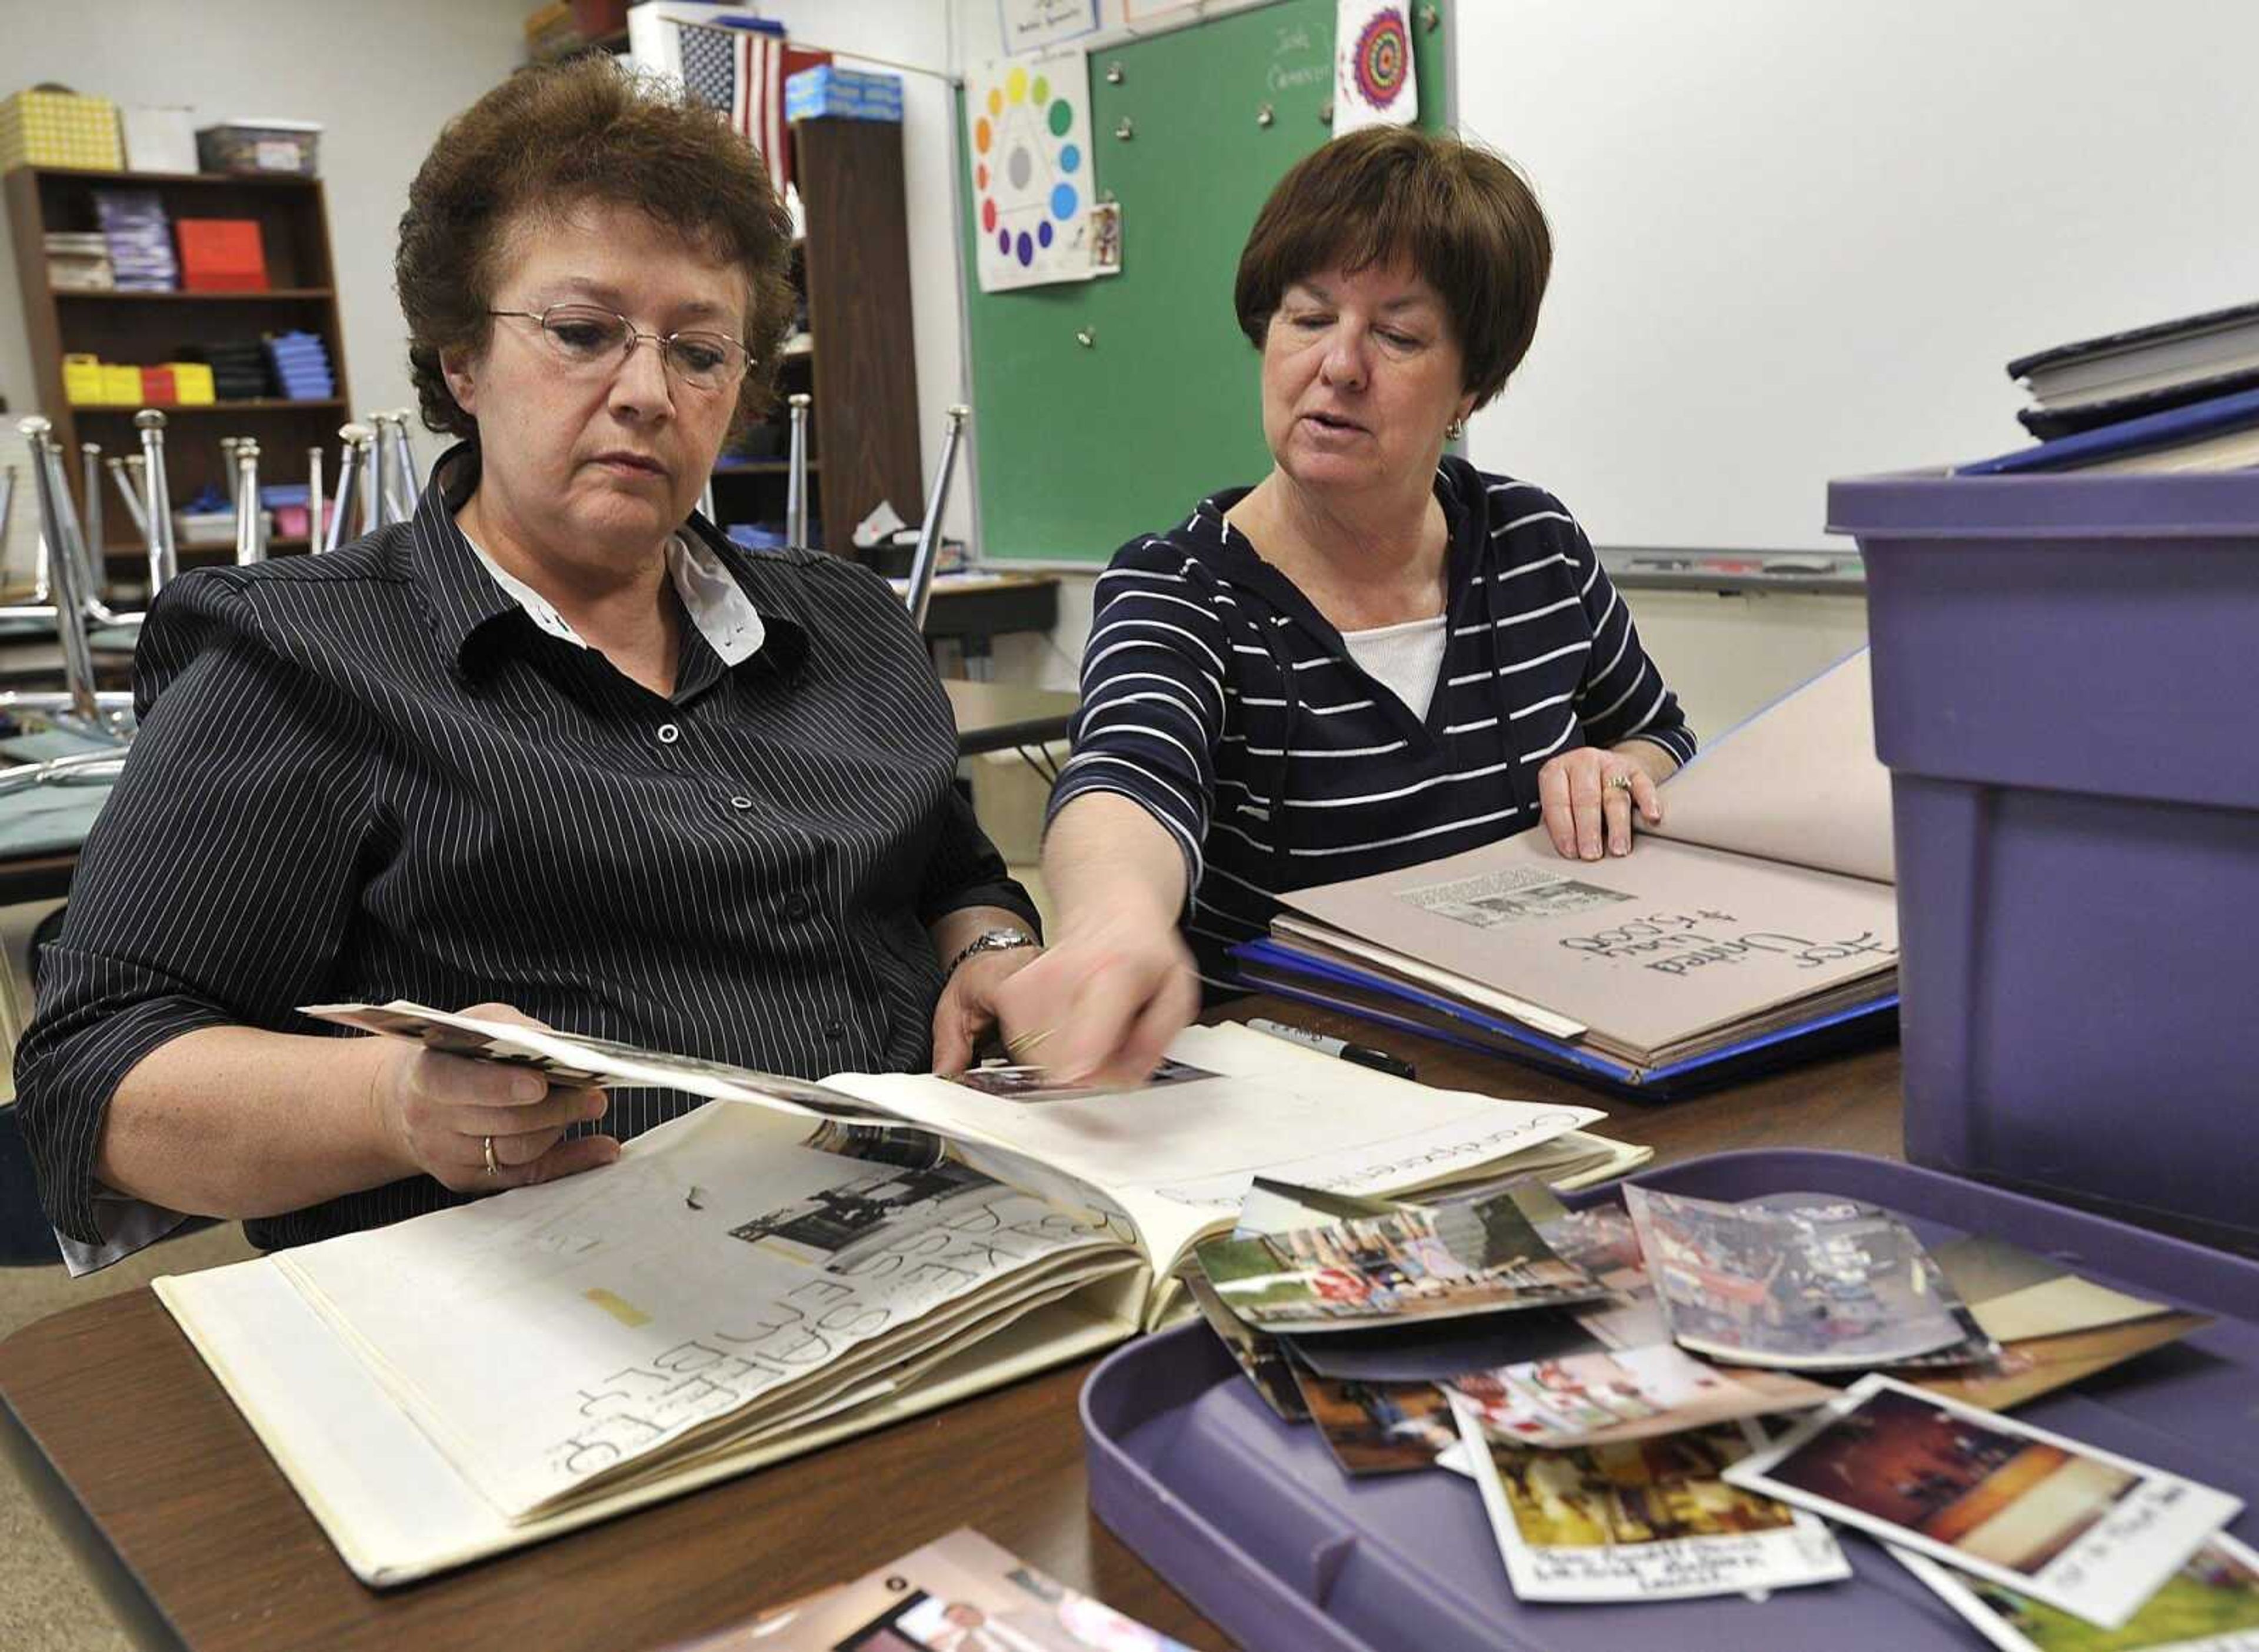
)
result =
(370, 775)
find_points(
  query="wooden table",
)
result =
(199, 1541)
(974, 608)
(993, 716)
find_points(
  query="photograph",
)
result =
(1379, 1427)
(2079, 1528)
(1261, 1358)
(1626, 1394)
(1012, 1083)
(958, 1593)
(2210, 1604)
(1515, 896)
(1646, 1519)
(828, 1227)
(1838, 1286)
(1415, 1264)
(1277, 1206)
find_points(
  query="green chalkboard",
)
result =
(1079, 446)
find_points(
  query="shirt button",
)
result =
(835, 1030)
(741, 802)
(796, 909)
(668, 734)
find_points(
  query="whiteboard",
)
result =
(1799, 239)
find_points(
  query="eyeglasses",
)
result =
(592, 337)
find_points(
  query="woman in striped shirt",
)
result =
(1375, 656)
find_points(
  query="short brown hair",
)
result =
(556, 136)
(1461, 215)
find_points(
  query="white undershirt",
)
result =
(1403, 659)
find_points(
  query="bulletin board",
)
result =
(1081, 446)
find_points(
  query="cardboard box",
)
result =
(1009, 800)
(46, 127)
(221, 256)
(829, 92)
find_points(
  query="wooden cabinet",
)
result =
(146, 328)
(860, 359)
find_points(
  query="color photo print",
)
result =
(959, 1593)
(2210, 1604)
(1634, 1393)
(1829, 1286)
(1379, 1427)
(1652, 1519)
(2085, 1531)
(1455, 1259)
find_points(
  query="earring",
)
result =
(1455, 430)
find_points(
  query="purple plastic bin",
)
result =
(1249, 1518)
(2067, 694)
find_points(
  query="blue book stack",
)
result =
(139, 236)
(301, 365)
(2219, 434)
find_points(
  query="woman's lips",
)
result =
(632, 464)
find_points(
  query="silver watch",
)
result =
(991, 940)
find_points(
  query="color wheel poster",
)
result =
(1027, 131)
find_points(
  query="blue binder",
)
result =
(1270, 967)
(2169, 429)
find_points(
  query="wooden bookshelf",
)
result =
(147, 328)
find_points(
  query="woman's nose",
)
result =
(1344, 362)
(641, 382)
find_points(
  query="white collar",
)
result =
(716, 603)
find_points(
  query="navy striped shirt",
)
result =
(370, 775)
(1219, 698)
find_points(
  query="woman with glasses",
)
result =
(551, 747)
(1378, 655)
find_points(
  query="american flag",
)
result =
(741, 74)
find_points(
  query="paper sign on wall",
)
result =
(1025, 25)
(1373, 80)
(1027, 132)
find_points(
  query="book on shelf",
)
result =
(788, 1266)
(1758, 922)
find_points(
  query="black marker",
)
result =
(1364, 1055)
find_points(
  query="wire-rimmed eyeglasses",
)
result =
(590, 336)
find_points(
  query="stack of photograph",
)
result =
(1680, 1398)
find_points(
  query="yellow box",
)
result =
(82, 385)
(121, 386)
(192, 383)
(59, 128)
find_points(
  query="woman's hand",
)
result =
(1589, 796)
(1103, 1005)
(442, 1113)
(968, 1004)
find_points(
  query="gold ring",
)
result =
(1027, 1041)
(493, 1164)
(1619, 782)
